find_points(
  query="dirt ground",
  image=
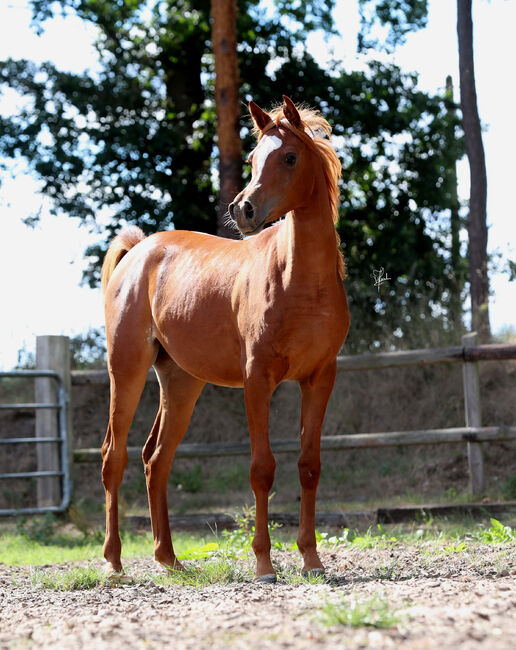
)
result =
(444, 600)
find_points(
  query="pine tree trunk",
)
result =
(223, 14)
(477, 220)
(455, 308)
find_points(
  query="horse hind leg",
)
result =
(127, 380)
(178, 395)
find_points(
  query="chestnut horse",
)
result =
(249, 313)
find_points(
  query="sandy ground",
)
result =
(444, 600)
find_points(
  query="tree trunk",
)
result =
(223, 14)
(477, 225)
(455, 308)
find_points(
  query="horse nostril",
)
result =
(248, 210)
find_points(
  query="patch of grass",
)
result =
(294, 577)
(369, 539)
(456, 548)
(373, 612)
(69, 545)
(218, 569)
(75, 579)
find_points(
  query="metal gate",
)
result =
(61, 438)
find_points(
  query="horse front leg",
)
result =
(257, 402)
(315, 391)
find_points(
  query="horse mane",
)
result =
(314, 131)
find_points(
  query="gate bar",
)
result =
(61, 405)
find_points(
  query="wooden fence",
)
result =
(473, 434)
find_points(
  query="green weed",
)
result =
(362, 541)
(456, 548)
(374, 612)
(240, 539)
(496, 534)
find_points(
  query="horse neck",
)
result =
(311, 246)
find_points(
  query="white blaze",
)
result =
(267, 145)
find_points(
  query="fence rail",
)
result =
(328, 443)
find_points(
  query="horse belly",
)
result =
(206, 351)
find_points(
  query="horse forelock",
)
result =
(313, 124)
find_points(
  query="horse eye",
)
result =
(290, 159)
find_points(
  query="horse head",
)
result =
(282, 169)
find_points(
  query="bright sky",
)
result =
(41, 269)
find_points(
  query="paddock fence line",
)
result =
(473, 434)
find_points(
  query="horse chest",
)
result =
(304, 327)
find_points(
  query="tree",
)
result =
(139, 139)
(399, 18)
(477, 220)
(223, 16)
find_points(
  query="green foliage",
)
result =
(373, 612)
(509, 488)
(190, 481)
(396, 17)
(240, 538)
(88, 350)
(38, 528)
(235, 477)
(354, 538)
(456, 548)
(136, 140)
(498, 533)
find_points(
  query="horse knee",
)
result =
(113, 466)
(309, 472)
(262, 474)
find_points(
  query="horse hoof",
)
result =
(267, 579)
(116, 577)
(313, 573)
(171, 568)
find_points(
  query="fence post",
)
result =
(52, 353)
(473, 417)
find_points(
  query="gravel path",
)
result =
(447, 600)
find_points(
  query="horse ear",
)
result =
(261, 118)
(291, 112)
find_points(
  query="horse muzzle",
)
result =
(246, 217)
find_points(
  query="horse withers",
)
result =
(248, 314)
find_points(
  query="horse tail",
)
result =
(126, 239)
